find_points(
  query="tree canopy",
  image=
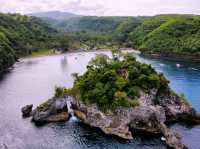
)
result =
(111, 82)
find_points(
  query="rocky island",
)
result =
(120, 96)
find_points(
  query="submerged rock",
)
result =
(27, 110)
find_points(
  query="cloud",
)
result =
(103, 7)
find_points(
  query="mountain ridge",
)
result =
(56, 15)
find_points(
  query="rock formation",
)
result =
(27, 110)
(150, 117)
(51, 111)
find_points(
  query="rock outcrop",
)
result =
(112, 123)
(124, 122)
(54, 110)
(150, 117)
(27, 110)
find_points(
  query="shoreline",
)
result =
(77, 51)
(176, 57)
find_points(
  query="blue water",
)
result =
(184, 77)
(32, 80)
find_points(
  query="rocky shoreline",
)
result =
(172, 56)
(123, 122)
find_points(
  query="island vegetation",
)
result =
(111, 82)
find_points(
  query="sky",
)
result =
(103, 7)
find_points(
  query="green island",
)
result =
(121, 97)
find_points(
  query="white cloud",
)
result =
(103, 7)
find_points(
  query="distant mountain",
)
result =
(55, 15)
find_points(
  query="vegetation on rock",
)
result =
(114, 82)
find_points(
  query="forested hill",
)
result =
(93, 23)
(174, 34)
(19, 35)
(170, 33)
(54, 15)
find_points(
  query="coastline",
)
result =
(179, 57)
(48, 53)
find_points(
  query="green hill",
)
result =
(90, 23)
(168, 34)
(55, 15)
(174, 34)
(19, 35)
(162, 33)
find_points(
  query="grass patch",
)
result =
(42, 52)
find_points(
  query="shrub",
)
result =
(134, 91)
(107, 84)
(59, 91)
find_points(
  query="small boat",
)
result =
(178, 65)
(194, 68)
(163, 139)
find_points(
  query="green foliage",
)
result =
(23, 35)
(59, 91)
(19, 35)
(44, 106)
(161, 33)
(90, 24)
(134, 91)
(121, 34)
(111, 83)
(100, 60)
(169, 34)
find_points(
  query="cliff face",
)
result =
(148, 117)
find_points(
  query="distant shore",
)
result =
(181, 57)
(42, 53)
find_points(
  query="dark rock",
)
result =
(147, 119)
(27, 110)
(173, 139)
(57, 111)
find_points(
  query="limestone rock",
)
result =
(27, 110)
(57, 111)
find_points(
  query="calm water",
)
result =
(33, 80)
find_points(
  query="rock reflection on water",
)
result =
(64, 63)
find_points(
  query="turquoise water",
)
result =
(184, 77)
(32, 80)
